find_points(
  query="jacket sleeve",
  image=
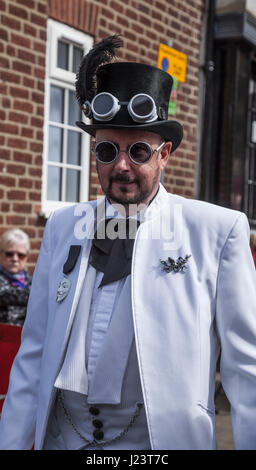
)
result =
(236, 324)
(17, 424)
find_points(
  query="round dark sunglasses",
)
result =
(10, 254)
(139, 152)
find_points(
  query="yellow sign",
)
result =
(173, 62)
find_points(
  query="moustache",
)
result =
(123, 179)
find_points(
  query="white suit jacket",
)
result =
(180, 320)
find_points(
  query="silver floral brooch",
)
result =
(180, 265)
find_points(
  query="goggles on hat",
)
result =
(138, 152)
(105, 106)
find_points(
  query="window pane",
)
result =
(72, 185)
(56, 104)
(54, 183)
(74, 112)
(77, 57)
(74, 148)
(55, 144)
(62, 60)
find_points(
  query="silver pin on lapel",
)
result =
(63, 289)
(172, 265)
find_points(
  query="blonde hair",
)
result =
(14, 235)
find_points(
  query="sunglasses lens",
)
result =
(10, 254)
(105, 152)
(142, 105)
(140, 152)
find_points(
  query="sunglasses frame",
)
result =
(118, 150)
(10, 254)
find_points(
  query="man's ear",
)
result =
(164, 154)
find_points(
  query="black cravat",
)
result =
(111, 256)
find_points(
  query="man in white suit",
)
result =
(122, 334)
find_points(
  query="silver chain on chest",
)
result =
(138, 409)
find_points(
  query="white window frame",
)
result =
(65, 79)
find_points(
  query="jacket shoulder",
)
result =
(202, 215)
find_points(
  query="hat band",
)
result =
(105, 106)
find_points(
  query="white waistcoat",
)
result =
(113, 386)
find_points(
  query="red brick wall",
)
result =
(143, 25)
(22, 69)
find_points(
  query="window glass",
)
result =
(62, 55)
(72, 185)
(54, 183)
(55, 144)
(56, 104)
(74, 112)
(77, 57)
(74, 148)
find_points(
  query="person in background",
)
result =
(253, 247)
(15, 282)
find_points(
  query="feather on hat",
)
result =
(100, 54)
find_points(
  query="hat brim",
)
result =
(168, 130)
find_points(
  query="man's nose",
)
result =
(123, 161)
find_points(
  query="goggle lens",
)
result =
(103, 103)
(142, 105)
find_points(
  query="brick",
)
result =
(26, 56)
(21, 40)
(28, 3)
(5, 154)
(33, 196)
(36, 146)
(38, 19)
(38, 97)
(28, 82)
(17, 143)
(10, 77)
(17, 195)
(30, 30)
(19, 12)
(25, 183)
(22, 67)
(35, 172)
(15, 220)
(10, 22)
(2, 5)
(18, 117)
(22, 207)
(22, 157)
(24, 106)
(8, 128)
(6, 180)
(11, 51)
(4, 62)
(17, 92)
(5, 207)
(27, 132)
(15, 169)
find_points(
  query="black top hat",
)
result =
(125, 80)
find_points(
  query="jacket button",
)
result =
(94, 411)
(98, 434)
(97, 423)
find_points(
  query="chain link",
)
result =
(138, 409)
